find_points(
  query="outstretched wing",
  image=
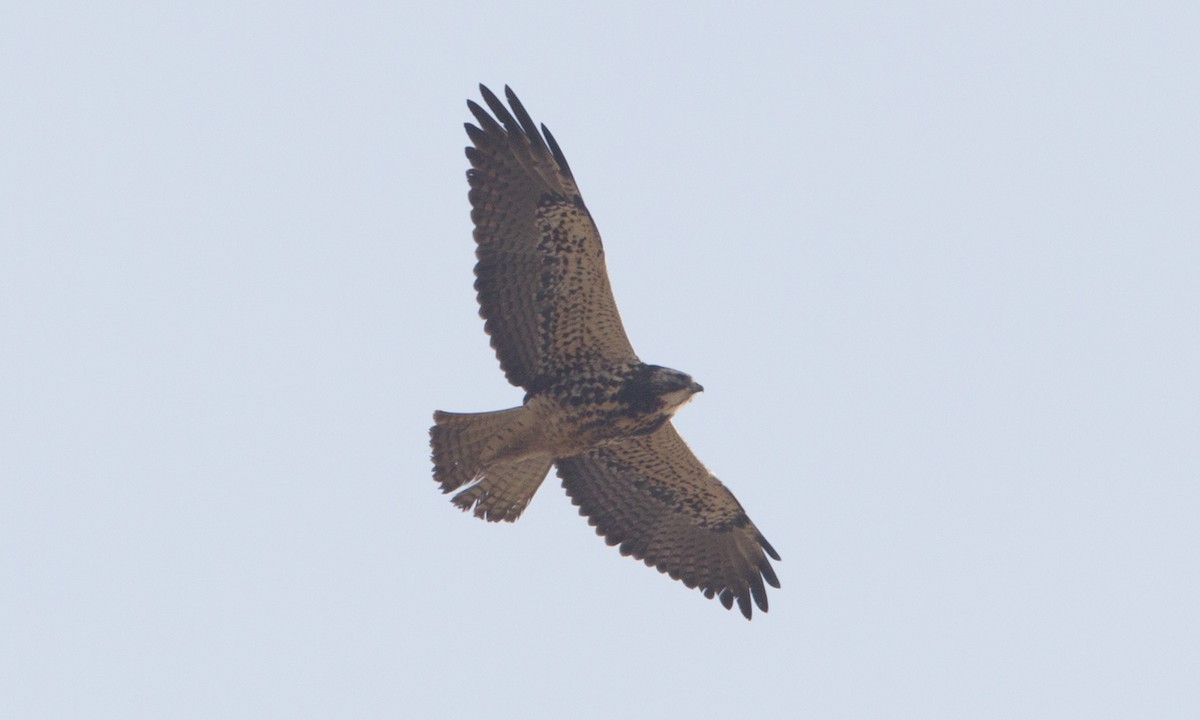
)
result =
(541, 280)
(650, 495)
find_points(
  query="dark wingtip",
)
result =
(557, 152)
(520, 125)
(768, 573)
(743, 601)
(766, 546)
(487, 94)
(476, 135)
(758, 592)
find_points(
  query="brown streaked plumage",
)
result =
(591, 408)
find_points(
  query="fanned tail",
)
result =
(473, 449)
(505, 489)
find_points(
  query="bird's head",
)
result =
(656, 388)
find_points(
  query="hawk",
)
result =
(592, 408)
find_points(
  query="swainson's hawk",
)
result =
(591, 408)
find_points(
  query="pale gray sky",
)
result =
(936, 265)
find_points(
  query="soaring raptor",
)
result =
(591, 407)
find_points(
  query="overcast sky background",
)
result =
(937, 266)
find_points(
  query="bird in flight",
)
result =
(592, 409)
